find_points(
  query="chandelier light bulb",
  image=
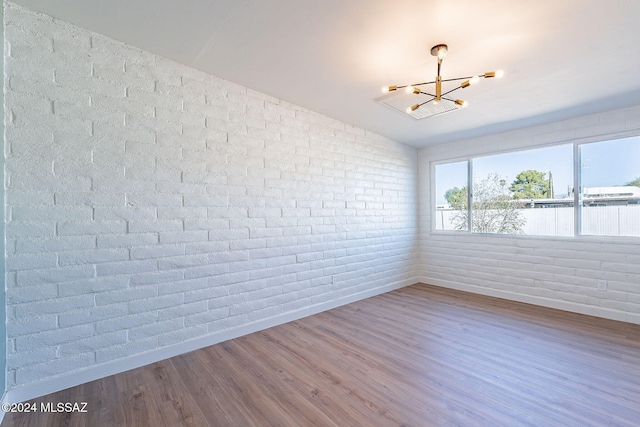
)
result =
(461, 103)
(496, 74)
(470, 82)
(386, 89)
(413, 108)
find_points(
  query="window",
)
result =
(531, 192)
(610, 184)
(451, 196)
(525, 192)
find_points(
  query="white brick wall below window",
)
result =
(559, 272)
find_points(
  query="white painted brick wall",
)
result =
(552, 271)
(149, 203)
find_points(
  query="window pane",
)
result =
(525, 192)
(610, 182)
(451, 196)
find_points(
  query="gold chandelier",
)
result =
(432, 104)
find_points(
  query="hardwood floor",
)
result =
(418, 356)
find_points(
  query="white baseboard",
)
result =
(570, 306)
(61, 382)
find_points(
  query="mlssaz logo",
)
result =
(63, 407)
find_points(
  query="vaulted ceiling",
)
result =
(561, 59)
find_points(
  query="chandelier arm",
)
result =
(466, 78)
(420, 84)
(443, 80)
(432, 82)
(427, 93)
(425, 102)
(415, 84)
(458, 78)
(454, 89)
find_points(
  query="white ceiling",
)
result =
(562, 58)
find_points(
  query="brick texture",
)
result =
(559, 272)
(149, 203)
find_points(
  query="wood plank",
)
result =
(417, 356)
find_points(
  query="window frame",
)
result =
(576, 143)
(433, 194)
